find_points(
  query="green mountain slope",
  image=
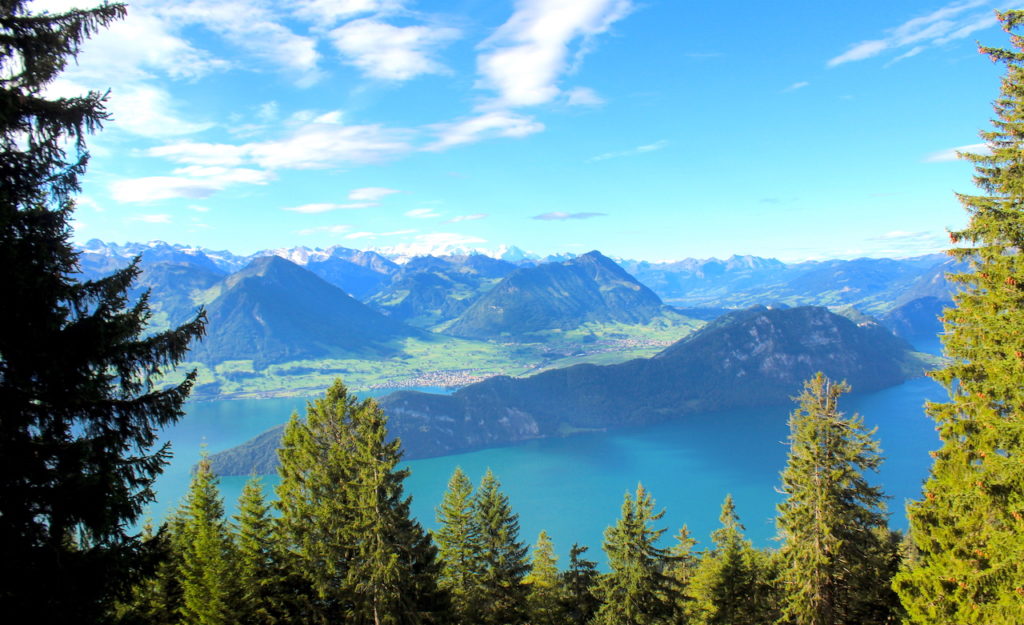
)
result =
(275, 311)
(563, 296)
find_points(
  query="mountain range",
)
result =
(302, 305)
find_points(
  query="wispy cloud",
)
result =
(956, 20)
(560, 216)
(640, 149)
(193, 182)
(324, 207)
(472, 217)
(389, 52)
(365, 197)
(583, 96)
(542, 40)
(422, 213)
(950, 154)
(483, 126)
(370, 194)
(795, 86)
(152, 218)
(374, 235)
(902, 243)
(315, 142)
(338, 229)
(330, 12)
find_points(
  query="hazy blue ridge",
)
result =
(750, 358)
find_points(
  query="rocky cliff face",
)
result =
(755, 357)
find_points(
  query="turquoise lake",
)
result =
(573, 487)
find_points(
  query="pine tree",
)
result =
(681, 565)
(260, 568)
(544, 585)
(156, 598)
(733, 584)
(500, 594)
(458, 547)
(346, 520)
(831, 518)
(77, 375)
(579, 603)
(636, 592)
(969, 528)
(208, 582)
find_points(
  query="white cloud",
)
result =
(422, 213)
(525, 57)
(483, 126)
(370, 194)
(389, 52)
(472, 217)
(950, 154)
(956, 20)
(327, 142)
(268, 111)
(901, 243)
(325, 207)
(152, 219)
(253, 27)
(129, 50)
(314, 142)
(194, 153)
(338, 229)
(149, 112)
(194, 182)
(561, 216)
(331, 12)
(374, 235)
(583, 96)
(640, 149)
(796, 85)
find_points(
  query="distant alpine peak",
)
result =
(405, 252)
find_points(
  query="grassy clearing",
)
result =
(441, 361)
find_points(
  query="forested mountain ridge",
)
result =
(561, 296)
(275, 311)
(766, 352)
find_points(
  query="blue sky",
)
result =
(655, 129)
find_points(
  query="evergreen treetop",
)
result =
(346, 520)
(830, 517)
(636, 592)
(500, 592)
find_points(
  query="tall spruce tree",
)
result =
(458, 547)
(732, 584)
(500, 593)
(543, 598)
(77, 374)
(636, 591)
(681, 566)
(969, 527)
(346, 520)
(580, 579)
(831, 520)
(208, 582)
(259, 562)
